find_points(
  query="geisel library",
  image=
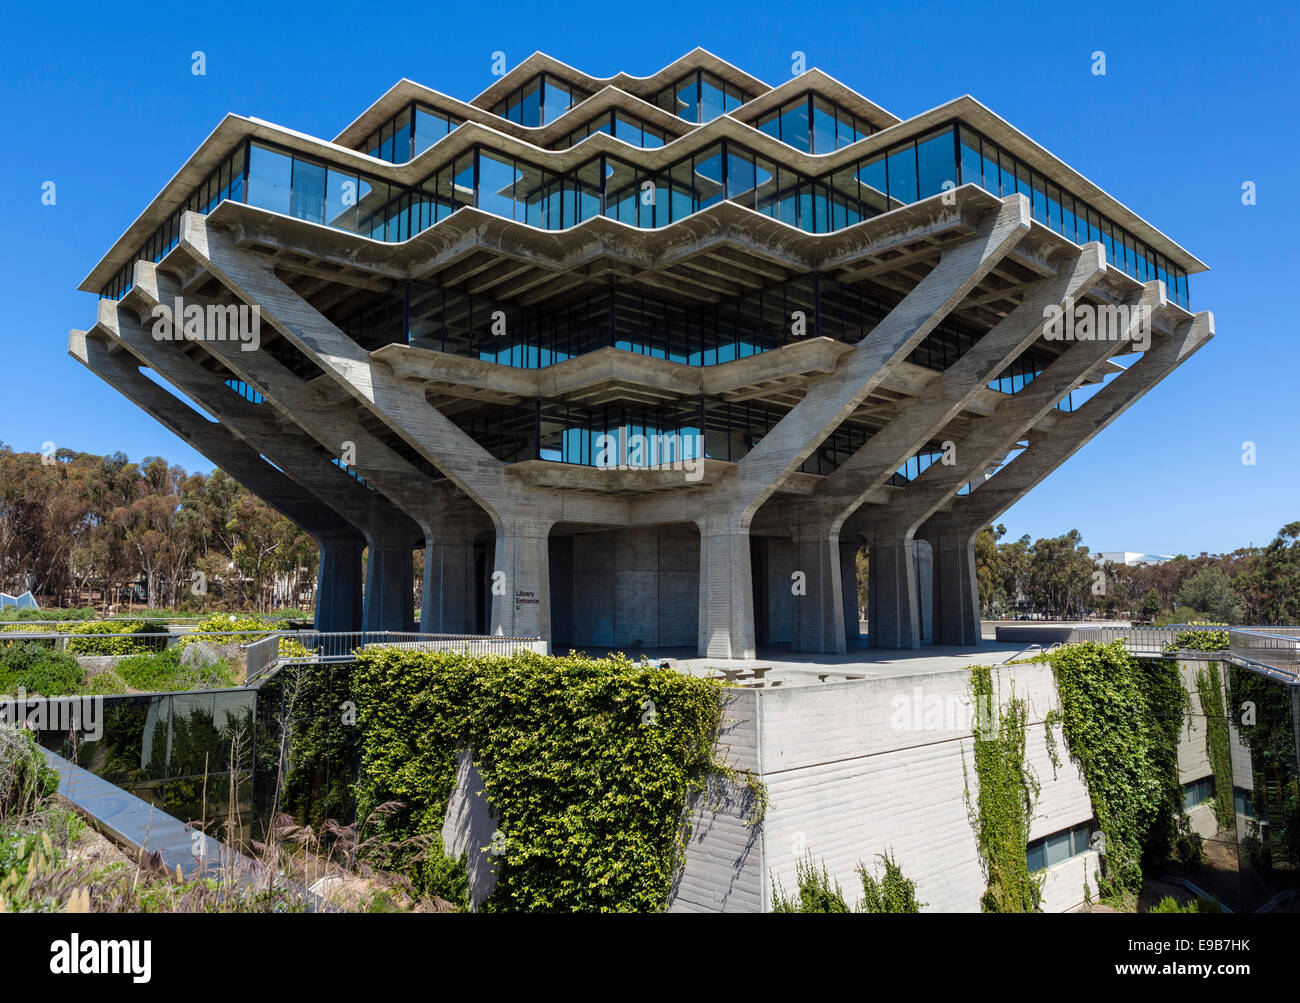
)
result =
(643, 361)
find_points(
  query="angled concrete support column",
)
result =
(338, 582)
(726, 588)
(388, 531)
(819, 617)
(520, 584)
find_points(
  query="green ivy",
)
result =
(1209, 687)
(1002, 809)
(1120, 719)
(589, 765)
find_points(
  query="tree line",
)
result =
(77, 528)
(1059, 578)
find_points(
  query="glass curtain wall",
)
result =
(313, 190)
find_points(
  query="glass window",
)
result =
(341, 200)
(712, 97)
(934, 154)
(741, 179)
(972, 167)
(429, 128)
(530, 104)
(560, 97)
(823, 126)
(627, 129)
(686, 104)
(846, 130)
(902, 176)
(308, 201)
(269, 177)
(708, 176)
(1007, 172)
(770, 124)
(795, 128)
(871, 178)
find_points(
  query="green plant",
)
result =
(1200, 640)
(816, 890)
(227, 628)
(1197, 905)
(590, 766)
(1218, 749)
(38, 669)
(26, 779)
(1003, 806)
(893, 892)
(110, 637)
(1120, 722)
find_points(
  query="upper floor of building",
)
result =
(550, 148)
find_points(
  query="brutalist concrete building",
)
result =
(641, 362)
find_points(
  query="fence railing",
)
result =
(1268, 647)
(1278, 647)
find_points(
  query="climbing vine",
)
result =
(590, 766)
(1209, 687)
(1120, 719)
(1003, 807)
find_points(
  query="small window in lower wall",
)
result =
(1058, 846)
(1198, 792)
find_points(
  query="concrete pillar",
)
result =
(338, 582)
(892, 611)
(726, 588)
(447, 597)
(520, 583)
(390, 585)
(819, 619)
(955, 589)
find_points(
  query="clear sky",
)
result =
(1196, 100)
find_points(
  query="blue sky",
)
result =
(1196, 100)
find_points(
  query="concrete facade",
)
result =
(810, 429)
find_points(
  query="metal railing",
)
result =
(1277, 647)
(1269, 648)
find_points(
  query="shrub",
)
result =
(167, 671)
(227, 628)
(1200, 640)
(11, 613)
(110, 637)
(38, 669)
(26, 779)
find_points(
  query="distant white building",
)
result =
(1131, 558)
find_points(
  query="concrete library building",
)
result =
(641, 362)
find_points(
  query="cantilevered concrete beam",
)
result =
(892, 588)
(522, 517)
(726, 591)
(389, 533)
(448, 527)
(820, 620)
(952, 533)
(338, 588)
